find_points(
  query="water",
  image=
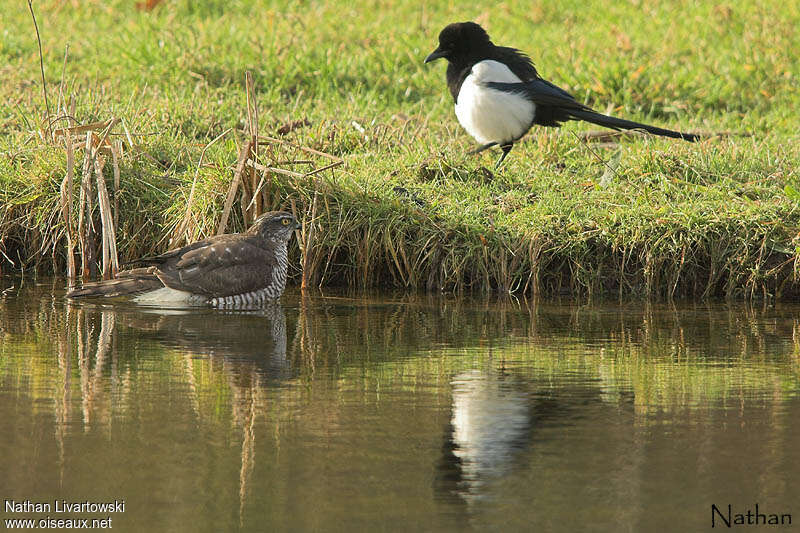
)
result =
(388, 413)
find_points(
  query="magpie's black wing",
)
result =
(540, 92)
(555, 105)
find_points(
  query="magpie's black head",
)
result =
(460, 39)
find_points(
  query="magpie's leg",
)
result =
(506, 148)
(481, 148)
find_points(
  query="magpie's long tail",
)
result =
(126, 283)
(622, 124)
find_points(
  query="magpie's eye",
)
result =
(285, 221)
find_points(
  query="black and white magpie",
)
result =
(499, 95)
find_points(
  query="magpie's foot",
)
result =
(506, 148)
(481, 148)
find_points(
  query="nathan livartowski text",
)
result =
(101, 509)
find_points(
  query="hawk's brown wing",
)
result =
(221, 266)
(127, 282)
(177, 253)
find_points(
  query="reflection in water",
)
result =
(252, 345)
(490, 423)
(347, 401)
(255, 337)
(497, 417)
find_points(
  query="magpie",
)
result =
(499, 95)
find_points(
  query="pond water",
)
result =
(398, 412)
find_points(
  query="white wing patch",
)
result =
(167, 296)
(490, 115)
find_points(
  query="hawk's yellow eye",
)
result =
(285, 221)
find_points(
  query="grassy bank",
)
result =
(408, 207)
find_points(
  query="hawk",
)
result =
(226, 270)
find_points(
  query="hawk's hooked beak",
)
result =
(436, 54)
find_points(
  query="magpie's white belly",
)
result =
(490, 115)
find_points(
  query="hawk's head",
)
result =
(275, 225)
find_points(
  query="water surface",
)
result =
(397, 412)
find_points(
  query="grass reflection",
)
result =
(315, 365)
(666, 356)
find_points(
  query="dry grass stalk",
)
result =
(128, 135)
(116, 152)
(46, 118)
(244, 174)
(61, 107)
(85, 226)
(237, 177)
(311, 254)
(182, 232)
(323, 169)
(66, 192)
(252, 124)
(84, 234)
(252, 198)
(276, 170)
(265, 139)
(303, 243)
(308, 240)
(66, 205)
(83, 128)
(108, 238)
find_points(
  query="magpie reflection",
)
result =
(490, 423)
(494, 420)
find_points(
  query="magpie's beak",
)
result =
(436, 54)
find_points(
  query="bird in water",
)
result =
(238, 269)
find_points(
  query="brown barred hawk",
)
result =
(238, 269)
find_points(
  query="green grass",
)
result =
(646, 216)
